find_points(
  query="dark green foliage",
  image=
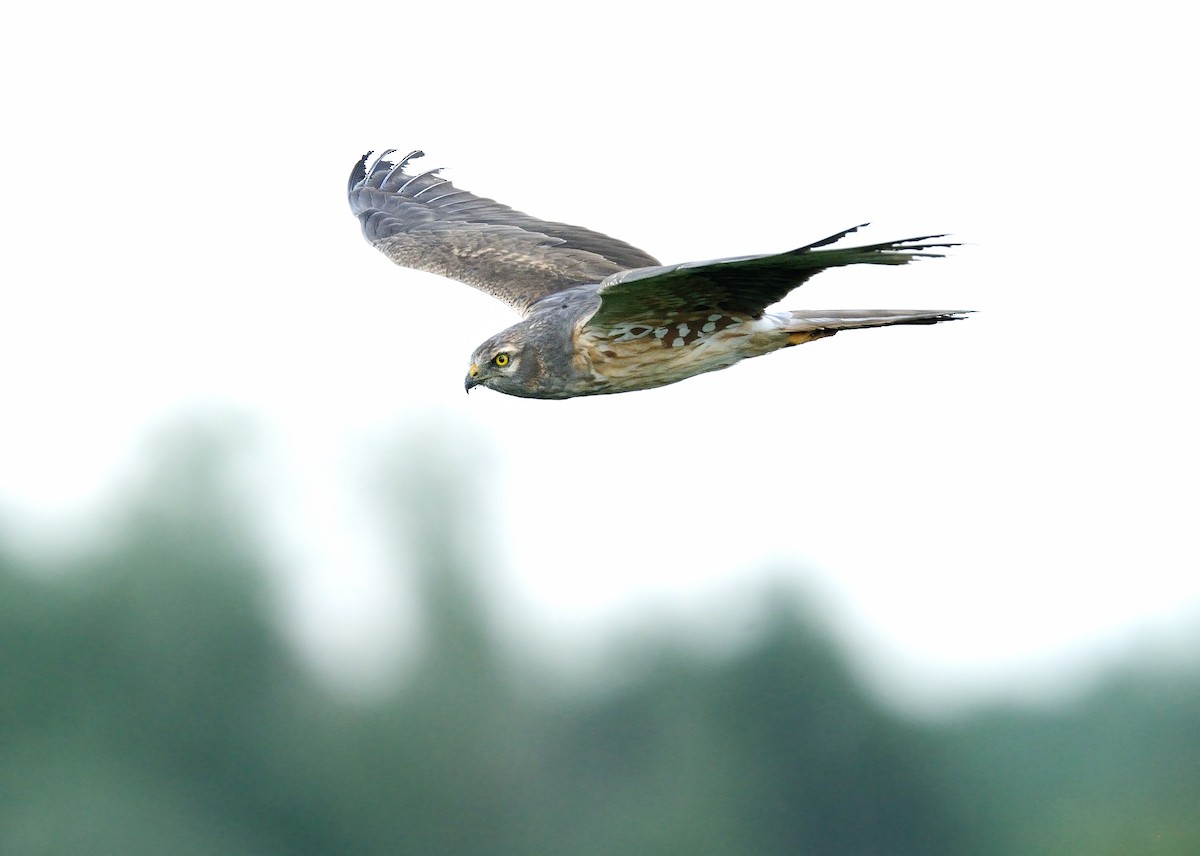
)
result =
(147, 707)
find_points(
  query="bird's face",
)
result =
(497, 365)
(531, 359)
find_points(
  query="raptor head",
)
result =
(507, 362)
(531, 359)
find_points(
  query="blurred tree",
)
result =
(774, 751)
(133, 683)
(1117, 773)
(147, 706)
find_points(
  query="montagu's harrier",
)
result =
(599, 315)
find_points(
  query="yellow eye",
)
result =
(501, 360)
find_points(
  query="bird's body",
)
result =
(601, 316)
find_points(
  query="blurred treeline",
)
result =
(147, 706)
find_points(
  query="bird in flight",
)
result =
(601, 316)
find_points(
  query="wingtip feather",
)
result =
(363, 172)
(358, 173)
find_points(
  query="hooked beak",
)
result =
(472, 377)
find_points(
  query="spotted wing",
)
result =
(744, 286)
(422, 221)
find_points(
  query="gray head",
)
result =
(515, 362)
(500, 363)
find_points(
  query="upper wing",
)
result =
(421, 221)
(745, 285)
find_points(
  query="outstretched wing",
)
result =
(422, 221)
(742, 286)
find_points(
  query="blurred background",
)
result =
(270, 583)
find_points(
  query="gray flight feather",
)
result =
(422, 221)
(743, 285)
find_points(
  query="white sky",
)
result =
(985, 503)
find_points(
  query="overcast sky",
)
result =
(982, 503)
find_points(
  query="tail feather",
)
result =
(807, 325)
